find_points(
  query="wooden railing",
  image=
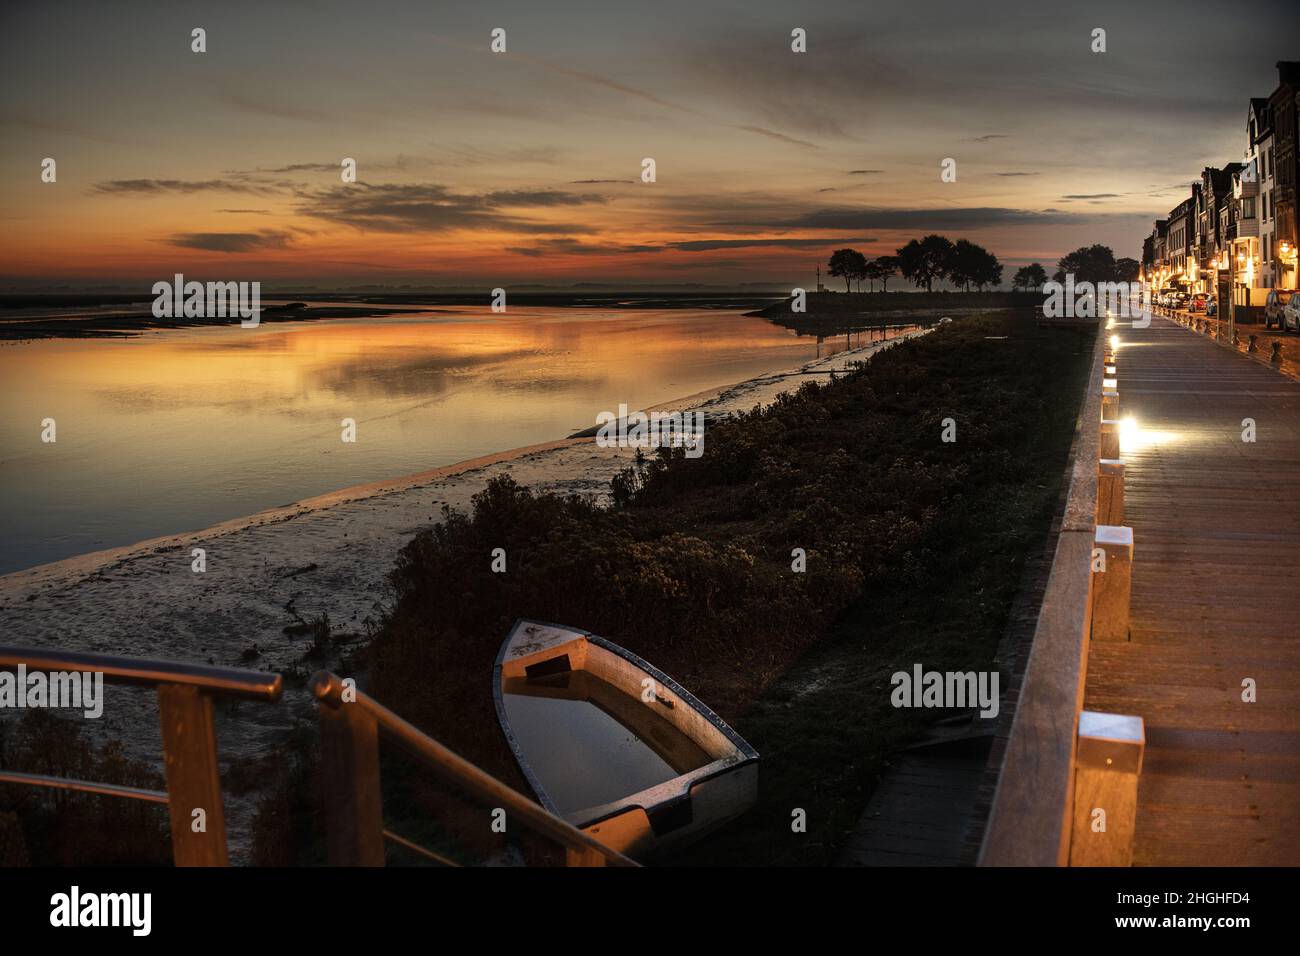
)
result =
(350, 724)
(185, 694)
(1061, 765)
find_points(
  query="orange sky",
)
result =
(483, 168)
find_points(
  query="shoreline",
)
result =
(269, 573)
(722, 400)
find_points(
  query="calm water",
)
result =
(583, 755)
(176, 430)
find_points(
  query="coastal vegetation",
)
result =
(47, 827)
(913, 547)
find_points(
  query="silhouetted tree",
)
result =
(1029, 277)
(886, 266)
(1126, 270)
(988, 271)
(1095, 263)
(923, 261)
(963, 264)
(844, 263)
(860, 268)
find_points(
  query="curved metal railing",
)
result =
(185, 694)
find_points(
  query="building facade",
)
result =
(1237, 235)
(1284, 111)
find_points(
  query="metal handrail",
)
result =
(414, 847)
(225, 681)
(185, 693)
(84, 786)
(328, 688)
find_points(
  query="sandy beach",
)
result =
(323, 555)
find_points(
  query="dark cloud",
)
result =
(707, 245)
(1016, 174)
(569, 246)
(254, 212)
(588, 182)
(864, 172)
(540, 197)
(306, 167)
(158, 187)
(975, 217)
(988, 137)
(429, 207)
(231, 241)
(1092, 196)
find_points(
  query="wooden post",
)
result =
(1108, 762)
(1109, 438)
(1110, 491)
(349, 752)
(1110, 404)
(1112, 588)
(193, 777)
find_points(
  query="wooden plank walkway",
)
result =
(920, 813)
(1216, 599)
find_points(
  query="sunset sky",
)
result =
(477, 168)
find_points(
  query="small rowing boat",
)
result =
(614, 745)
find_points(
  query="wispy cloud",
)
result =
(569, 246)
(231, 241)
(974, 217)
(158, 187)
(430, 207)
(780, 137)
(267, 105)
(708, 245)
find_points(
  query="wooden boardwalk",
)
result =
(920, 813)
(1216, 600)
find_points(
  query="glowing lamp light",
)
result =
(1114, 341)
(1128, 433)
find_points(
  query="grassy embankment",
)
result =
(914, 551)
(835, 313)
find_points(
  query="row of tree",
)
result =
(963, 263)
(1095, 263)
(921, 262)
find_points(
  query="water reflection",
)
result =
(176, 430)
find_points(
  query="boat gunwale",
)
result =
(601, 812)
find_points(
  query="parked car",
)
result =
(1273, 306)
(1197, 302)
(1211, 306)
(1291, 314)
